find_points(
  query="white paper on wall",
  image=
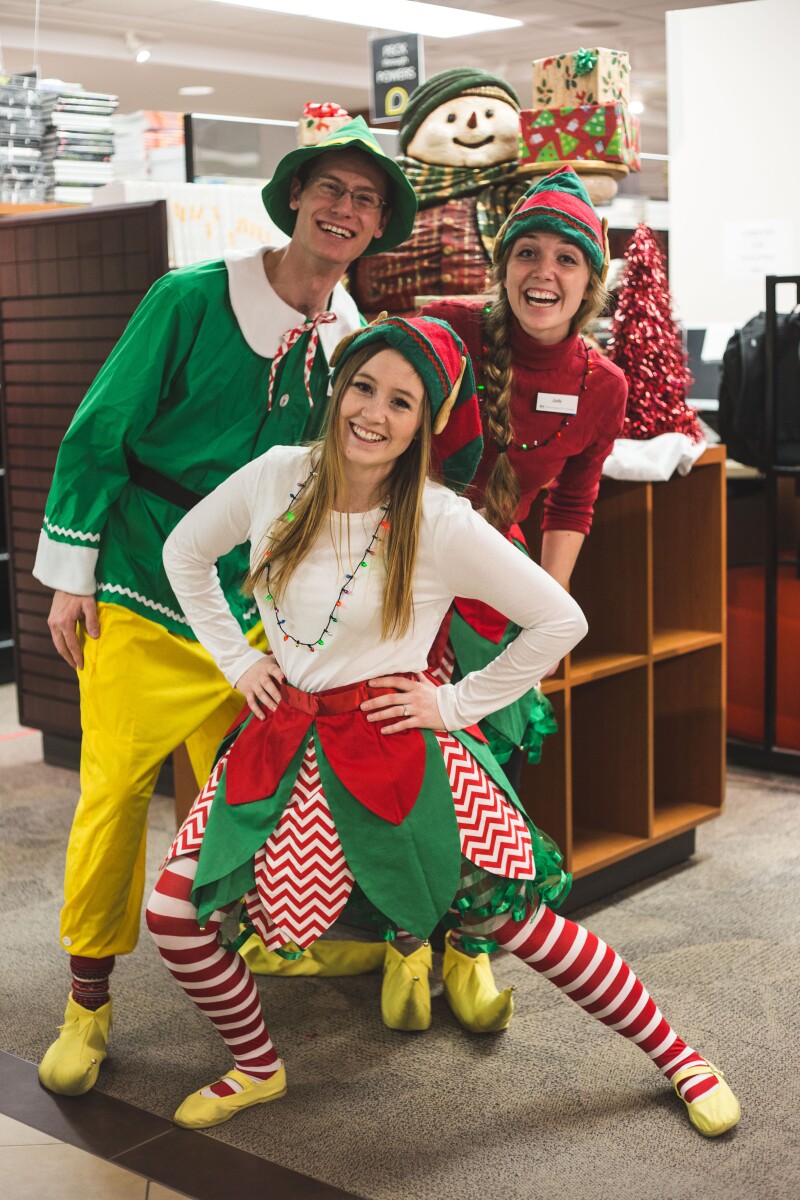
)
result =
(203, 220)
(754, 249)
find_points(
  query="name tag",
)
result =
(556, 402)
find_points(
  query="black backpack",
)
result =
(742, 392)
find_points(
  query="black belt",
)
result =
(161, 486)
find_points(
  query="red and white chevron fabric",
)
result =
(190, 835)
(443, 671)
(493, 833)
(302, 877)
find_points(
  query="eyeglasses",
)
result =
(332, 190)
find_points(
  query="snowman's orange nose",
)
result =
(472, 122)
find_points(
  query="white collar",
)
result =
(263, 317)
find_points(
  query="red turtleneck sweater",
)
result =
(571, 464)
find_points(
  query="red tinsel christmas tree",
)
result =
(647, 346)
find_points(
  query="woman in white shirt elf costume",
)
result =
(356, 557)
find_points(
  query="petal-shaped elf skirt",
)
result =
(351, 818)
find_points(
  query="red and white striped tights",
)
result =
(217, 980)
(584, 968)
(578, 962)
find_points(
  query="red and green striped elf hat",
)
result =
(560, 204)
(439, 357)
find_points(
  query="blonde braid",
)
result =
(502, 487)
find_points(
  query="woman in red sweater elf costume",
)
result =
(552, 405)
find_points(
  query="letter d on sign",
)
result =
(396, 101)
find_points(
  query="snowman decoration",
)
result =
(459, 139)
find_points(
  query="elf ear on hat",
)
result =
(439, 357)
(560, 204)
(460, 81)
(356, 135)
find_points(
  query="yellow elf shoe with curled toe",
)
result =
(406, 992)
(470, 991)
(71, 1065)
(201, 1112)
(328, 958)
(714, 1114)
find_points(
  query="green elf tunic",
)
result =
(184, 393)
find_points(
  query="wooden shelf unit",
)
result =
(640, 753)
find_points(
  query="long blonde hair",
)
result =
(502, 487)
(289, 542)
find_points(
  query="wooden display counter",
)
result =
(639, 759)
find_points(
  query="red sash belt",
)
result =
(384, 773)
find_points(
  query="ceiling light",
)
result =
(636, 107)
(137, 47)
(200, 89)
(405, 16)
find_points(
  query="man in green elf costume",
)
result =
(220, 361)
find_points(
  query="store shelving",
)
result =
(639, 757)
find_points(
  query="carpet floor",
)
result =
(557, 1106)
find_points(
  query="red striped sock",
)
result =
(216, 980)
(90, 980)
(582, 966)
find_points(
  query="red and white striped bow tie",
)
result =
(288, 339)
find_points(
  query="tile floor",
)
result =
(64, 1148)
(34, 1165)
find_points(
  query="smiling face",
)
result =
(546, 281)
(469, 131)
(339, 230)
(380, 412)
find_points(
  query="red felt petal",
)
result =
(262, 752)
(383, 772)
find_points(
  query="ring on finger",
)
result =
(405, 711)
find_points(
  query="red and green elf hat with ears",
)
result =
(439, 357)
(356, 135)
(560, 204)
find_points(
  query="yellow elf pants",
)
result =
(143, 692)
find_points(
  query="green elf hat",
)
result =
(356, 135)
(460, 81)
(560, 204)
(439, 357)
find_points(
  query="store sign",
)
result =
(396, 69)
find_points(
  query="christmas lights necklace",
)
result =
(349, 578)
(536, 444)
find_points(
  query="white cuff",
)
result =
(64, 567)
(446, 703)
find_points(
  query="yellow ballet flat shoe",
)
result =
(470, 991)
(201, 1112)
(71, 1065)
(406, 992)
(325, 958)
(715, 1114)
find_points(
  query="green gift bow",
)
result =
(584, 61)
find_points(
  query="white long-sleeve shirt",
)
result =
(459, 554)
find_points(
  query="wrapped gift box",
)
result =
(606, 132)
(319, 120)
(596, 76)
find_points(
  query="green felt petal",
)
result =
(409, 871)
(233, 835)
